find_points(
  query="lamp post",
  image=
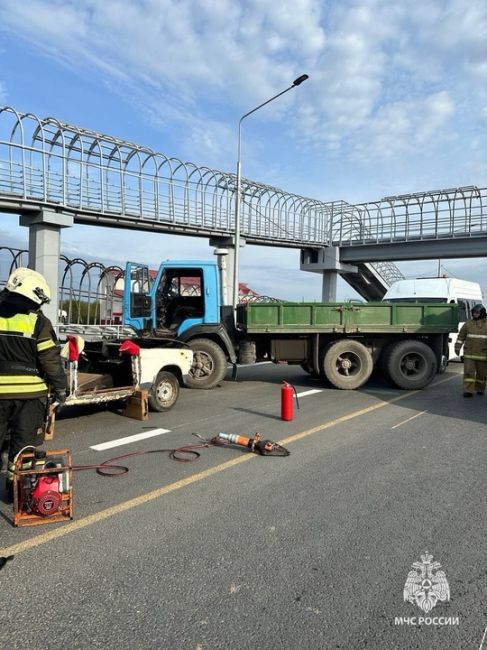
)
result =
(295, 83)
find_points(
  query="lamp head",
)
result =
(300, 79)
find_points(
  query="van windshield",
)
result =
(416, 299)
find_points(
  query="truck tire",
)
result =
(164, 392)
(411, 365)
(347, 364)
(209, 364)
(247, 354)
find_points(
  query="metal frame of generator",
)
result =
(43, 494)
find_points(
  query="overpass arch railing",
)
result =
(49, 161)
(46, 160)
(438, 214)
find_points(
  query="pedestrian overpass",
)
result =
(55, 174)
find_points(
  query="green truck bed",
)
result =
(379, 317)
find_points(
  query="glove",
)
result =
(59, 396)
(457, 349)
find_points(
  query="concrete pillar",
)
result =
(225, 251)
(44, 251)
(327, 262)
(329, 286)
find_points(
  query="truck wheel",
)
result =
(347, 364)
(209, 364)
(164, 392)
(411, 364)
(247, 354)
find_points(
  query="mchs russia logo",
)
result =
(425, 584)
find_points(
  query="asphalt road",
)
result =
(241, 551)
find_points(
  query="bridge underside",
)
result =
(446, 248)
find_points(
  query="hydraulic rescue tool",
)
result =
(42, 487)
(43, 480)
(255, 444)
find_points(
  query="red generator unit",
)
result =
(43, 487)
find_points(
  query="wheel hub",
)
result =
(410, 364)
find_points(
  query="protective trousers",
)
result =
(23, 420)
(474, 375)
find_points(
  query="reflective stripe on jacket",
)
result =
(29, 354)
(473, 336)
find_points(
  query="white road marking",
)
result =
(129, 439)
(483, 639)
(309, 392)
(408, 420)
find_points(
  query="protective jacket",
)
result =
(474, 336)
(29, 352)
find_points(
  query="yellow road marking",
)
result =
(408, 419)
(73, 526)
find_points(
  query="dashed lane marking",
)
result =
(408, 419)
(129, 439)
(313, 391)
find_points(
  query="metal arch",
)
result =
(347, 223)
(79, 161)
(167, 180)
(86, 274)
(94, 153)
(223, 197)
(273, 202)
(199, 198)
(74, 295)
(11, 179)
(196, 188)
(413, 217)
(51, 175)
(95, 135)
(106, 299)
(16, 256)
(153, 198)
(211, 188)
(200, 201)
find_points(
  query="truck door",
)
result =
(138, 296)
(180, 298)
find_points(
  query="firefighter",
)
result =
(474, 335)
(30, 364)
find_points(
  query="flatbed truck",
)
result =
(342, 343)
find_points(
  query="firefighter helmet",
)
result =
(30, 284)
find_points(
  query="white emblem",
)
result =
(425, 585)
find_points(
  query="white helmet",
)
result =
(30, 284)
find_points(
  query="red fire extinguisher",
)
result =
(287, 405)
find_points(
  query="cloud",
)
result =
(386, 79)
(404, 127)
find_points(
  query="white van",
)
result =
(466, 294)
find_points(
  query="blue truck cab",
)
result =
(182, 300)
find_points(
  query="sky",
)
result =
(396, 102)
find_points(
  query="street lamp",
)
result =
(295, 83)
